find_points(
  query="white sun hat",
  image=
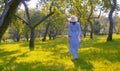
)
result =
(73, 18)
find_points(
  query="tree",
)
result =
(46, 31)
(5, 36)
(24, 29)
(92, 15)
(57, 26)
(7, 14)
(110, 6)
(16, 27)
(104, 22)
(96, 27)
(33, 26)
(113, 7)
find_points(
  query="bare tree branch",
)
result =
(43, 19)
(98, 15)
(27, 13)
(22, 19)
(90, 13)
(50, 8)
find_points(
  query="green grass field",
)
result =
(94, 55)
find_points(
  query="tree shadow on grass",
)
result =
(11, 65)
(101, 51)
(8, 61)
(83, 64)
(96, 51)
(38, 66)
(6, 53)
(46, 44)
(109, 50)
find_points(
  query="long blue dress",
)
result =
(74, 31)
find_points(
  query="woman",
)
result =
(74, 36)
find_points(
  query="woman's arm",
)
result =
(79, 32)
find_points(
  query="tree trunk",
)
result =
(109, 38)
(91, 25)
(91, 31)
(6, 16)
(32, 39)
(46, 31)
(85, 30)
(27, 37)
(18, 38)
(18, 35)
(50, 37)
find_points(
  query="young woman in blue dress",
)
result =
(74, 36)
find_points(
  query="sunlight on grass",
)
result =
(116, 36)
(103, 39)
(94, 55)
(1, 61)
(34, 56)
(90, 49)
(105, 65)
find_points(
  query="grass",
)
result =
(94, 55)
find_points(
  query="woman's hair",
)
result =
(73, 23)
